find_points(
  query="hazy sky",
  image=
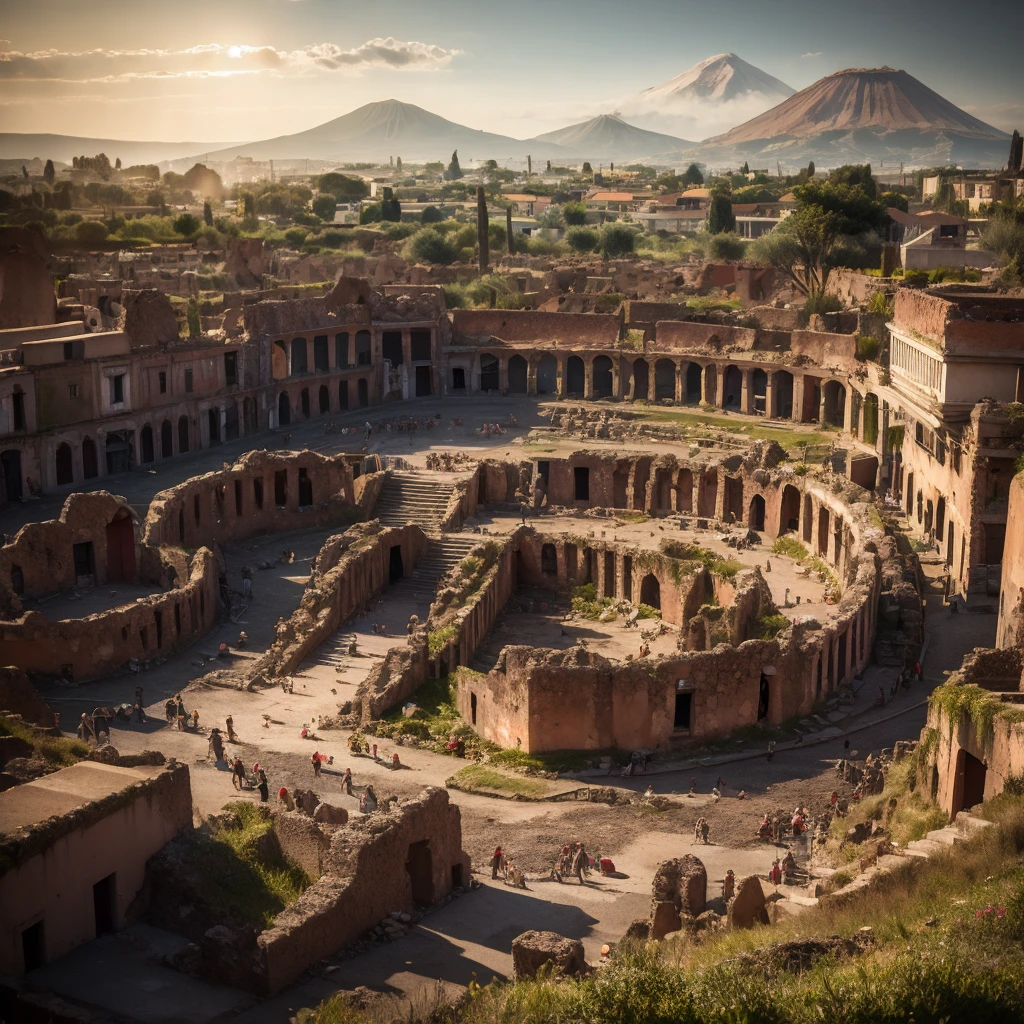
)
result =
(227, 70)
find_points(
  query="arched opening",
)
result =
(940, 518)
(517, 375)
(119, 451)
(823, 531)
(910, 494)
(575, 376)
(121, 548)
(808, 524)
(707, 497)
(755, 514)
(90, 464)
(420, 867)
(489, 373)
(789, 510)
(284, 409)
(662, 497)
(665, 380)
(324, 400)
(304, 402)
(733, 388)
(870, 419)
(641, 380)
(949, 544)
(299, 364)
(692, 388)
(213, 420)
(834, 404)
(547, 375)
(602, 377)
(549, 560)
(650, 591)
(362, 392)
(362, 348)
(166, 442)
(343, 396)
(920, 506)
(63, 464)
(759, 389)
(710, 383)
(182, 434)
(782, 395)
(929, 512)
(146, 444)
(684, 491)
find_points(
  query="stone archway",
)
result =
(517, 375)
(650, 591)
(833, 397)
(732, 395)
(755, 514)
(782, 395)
(63, 465)
(665, 379)
(789, 510)
(547, 375)
(575, 376)
(691, 389)
(601, 377)
(641, 380)
(284, 410)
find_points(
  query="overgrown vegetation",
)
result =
(790, 547)
(481, 778)
(439, 639)
(717, 565)
(769, 626)
(983, 707)
(57, 751)
(585, 602)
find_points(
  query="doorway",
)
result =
(104, 896)
(650, 591)
(213, 419)
(10, 460)
(85, 563)
(33, 946)
(969, 787)
(420, 866)
(284, 410)
(763, 695)
(121, 550)
(362, 393)
(681, 720)
(396, 569)
(423, 382)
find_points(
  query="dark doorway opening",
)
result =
(456, 876)
(488, 373)
(343, 396)
(472, 709)
(517, 375)
(146, 444)
(324, 398)
(166, 444)
(763, 695)
(90, 464)
(549, 560)
(664, 379)
(213, 419)
(391, 347)
(641, 380)
(281, 487)
(305, 488)
(121, 550)
(33, 946)
(423, 382)
(681, 720)
(458, 378)
(547, 375)
(756, 518)
(575, 376)
(85, 562)
(63, 465)
(304, 402)
(396, 570)
(650, 591)
(420, 866)
(104, 896)
(363, 393)
(581, 483)
(602, 380)
(609, 574)
(693, 382)
(119, 451)
(182, 435)
(969, 787)
(420, 345)
(284, 410)
(627, 577)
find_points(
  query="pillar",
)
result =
(616, 378)
(406, 346)
(746, 397)
(720, 496)
(652, 383)
(560, 376)
(769, 397)
(798, 397)
(850, 426)
(679, 383)
(101, 448)
(531, 377)
(719, 387)
(502, 373)
(588, 380)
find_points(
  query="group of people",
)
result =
(257, 780)
(445, 462)
(572, 860)
(502, 867)
(490, 429)
(403, 425)
(174, 711)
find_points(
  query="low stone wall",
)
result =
(263, 492)
(389, 861)
(94, 646)
(350, 568)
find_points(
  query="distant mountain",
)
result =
(608, 137)
(720, 78)
(15, 146)
(863, 115)
(387, 128)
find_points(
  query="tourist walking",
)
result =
(261, 781)
(230, 723)
(316, 764)
(369, 431)
(237, 773)
(496, 862)
(346, 781)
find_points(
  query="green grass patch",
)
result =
(585, 602)
(769, 626)
(439, 639)
(790, 547)
(631, 515)
(57, 751)
(244, 873)
(479, 778)
(716, 564)
(734, 425)
(954, 699)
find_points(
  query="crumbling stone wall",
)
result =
(19, 697)
(392, 860)
(679, 892)
(233, 504)
(348, 571)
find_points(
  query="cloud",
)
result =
(218, 60)
(816, 53)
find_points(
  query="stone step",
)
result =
(926, 847)
(947, 835)
(968, 823)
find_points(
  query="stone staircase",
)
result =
(410, 496)
(964, 826)
(443, 553)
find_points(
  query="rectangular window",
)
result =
(341, 350)
(117, 389)
(69, 350)
(73, 391)
(188, 380)
(230, 369)
(163, 382)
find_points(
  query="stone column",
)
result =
(704, 383)
(101, 450)
(746, 392)
(719, 387)
(407, 346)
(531, 377)
(631, 485)
(560, 376)
(851, 427)
(798, 398)
(588, 378)
(616, 378)
(769, 397)
(652, 382)
(679, 383)
(720, 496)
(503, 373)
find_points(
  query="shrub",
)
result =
(431, 215)
(617, 240)
(818, 303)
(91, 232)
(582, 239)
(769, 626)
(867, 347)
(725, 247)
(574, 214)
(429, 246)
(187, 225)
(296, 236)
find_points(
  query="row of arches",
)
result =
(303, 407)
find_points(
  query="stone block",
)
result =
(748, 907)
(665, 918)
(328, 814)
(534, 949)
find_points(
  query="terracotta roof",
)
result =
(696, 193)
(516, 198)
(788, 198)
(744, 209)
(611, 197)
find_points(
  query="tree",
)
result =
(430, 246)
(247, 204)
(208, 215)
(745, 169)
(896, 200)
(431, 215)
(582, 239)
(720, 215)
(49, 173)
(187, 225)
(325, 206)
(390, 208)
(370, 214)
(810, 169)
(617, 240)
(1004, 234)
(91, 232)
(725, 248)
(24, 171)
(398, 163)
(201, 179)
(574, 214)
(117, 164)
(587, 171)
(343, 187)
(852, 174)
(491, 165)
(454, 171)
(693, 175)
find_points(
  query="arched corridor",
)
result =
(601, 376)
